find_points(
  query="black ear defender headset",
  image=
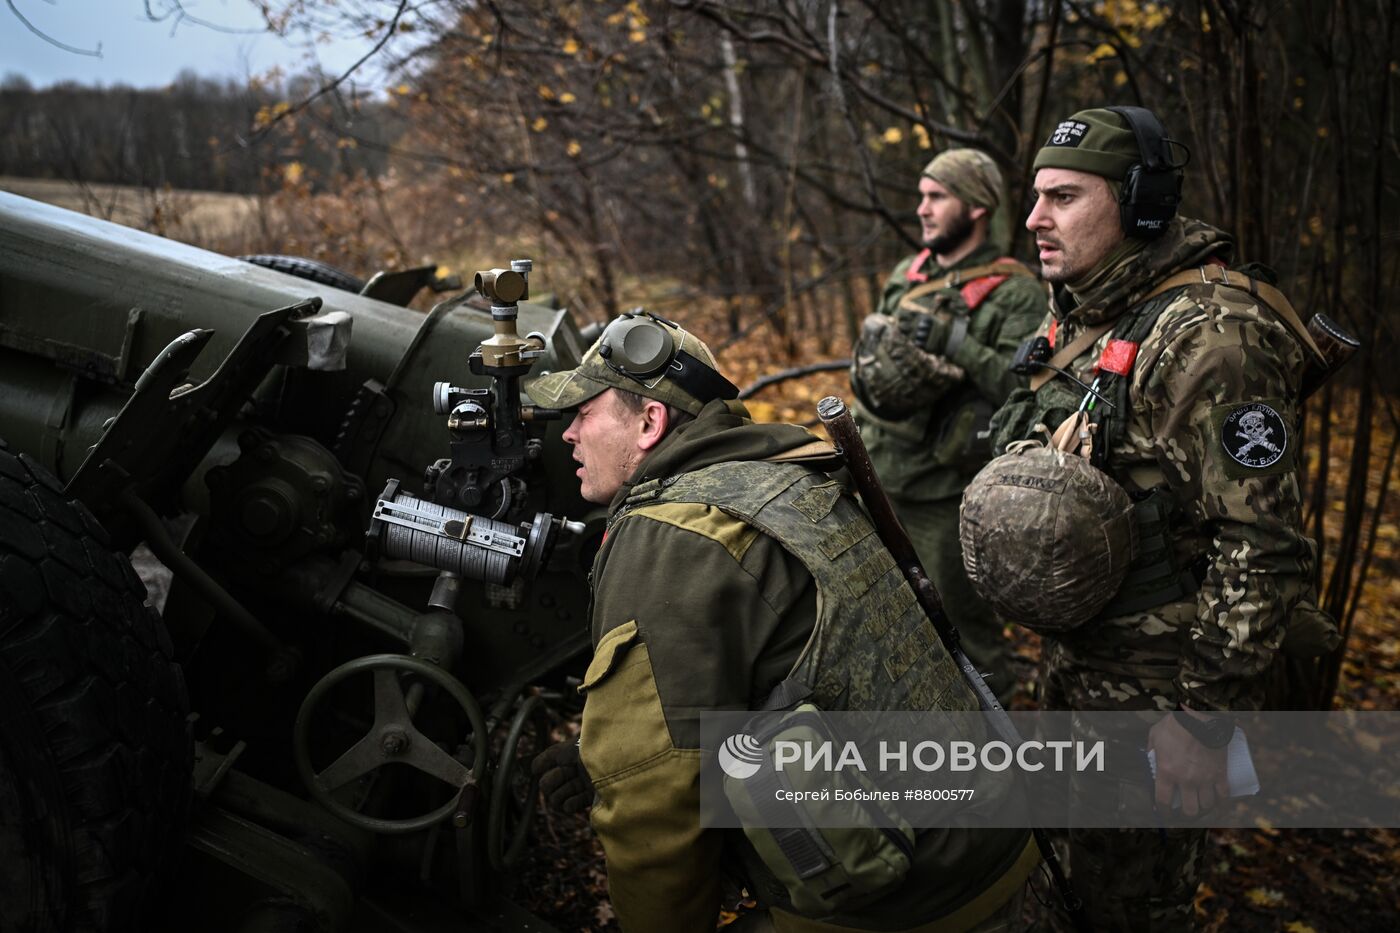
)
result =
(646, 348)
(1152, 188)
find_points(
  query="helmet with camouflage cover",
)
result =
(1047, 537)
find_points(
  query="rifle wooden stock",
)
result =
(1337, 346)
(842, 428)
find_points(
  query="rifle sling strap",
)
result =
(962, 276)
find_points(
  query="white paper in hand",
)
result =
(1240, 775)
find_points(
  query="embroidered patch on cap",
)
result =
(1254, 436)
(1069, 133)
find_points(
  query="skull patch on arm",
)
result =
(1253, 438)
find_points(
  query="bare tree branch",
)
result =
(92, 53)
(175, 12)
(330, 86)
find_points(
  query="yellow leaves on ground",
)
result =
(893, 136)
(539, 124)
(570, 46)
(762, 411)
(1298, 926)
(1264, 897)
(573, 148)
(292, 172)
(567, 98)
(922, 137)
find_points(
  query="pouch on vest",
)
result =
(825, 868)
(964, 438)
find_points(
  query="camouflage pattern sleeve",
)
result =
(1020, 304)
(1220, 400)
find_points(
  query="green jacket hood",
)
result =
(724, 432)
(1129, 273)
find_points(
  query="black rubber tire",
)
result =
(308, 269)
(95, 750)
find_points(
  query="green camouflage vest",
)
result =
(872, 648)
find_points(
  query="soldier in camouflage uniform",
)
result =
(1204, 380)
(700, 605)
(931, 367)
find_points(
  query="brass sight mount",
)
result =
(505, 288)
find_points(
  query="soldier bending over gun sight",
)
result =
(696, 608)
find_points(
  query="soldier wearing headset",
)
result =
(1193, 367)
(695, 608)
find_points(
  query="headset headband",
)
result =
(1151, 136)
(1151, 187)
(653, 353)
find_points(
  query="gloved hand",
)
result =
(929, 325)
(894, 378)
(566, 785)
(928, 332)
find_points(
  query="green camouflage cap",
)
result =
(642, 354)
(969, 174)
(1096, 141)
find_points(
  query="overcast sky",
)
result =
(141, 53)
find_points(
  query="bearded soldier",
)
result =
(931, 367)
(1182, 386)
(728, 549)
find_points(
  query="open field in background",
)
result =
(365, 227)
(1300, 881)
(189, 216)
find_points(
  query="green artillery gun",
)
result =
(377, 564)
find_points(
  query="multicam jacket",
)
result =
(1212, 424)
(931, 455)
